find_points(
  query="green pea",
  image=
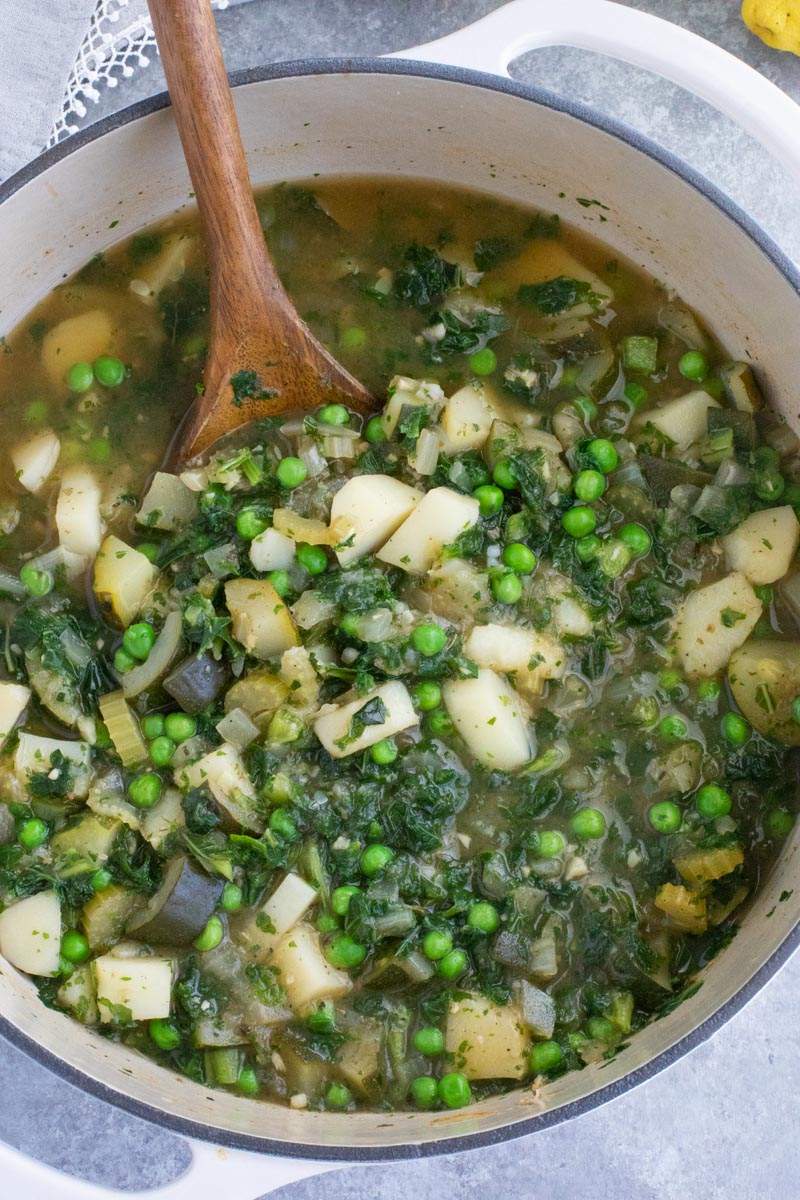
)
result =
(428, 640)
(453, 964)
(74, 946)
(735, 729)
(708, 689)
(145, 790)
(349, 624)
(603, 455)
(506, 588)
(211, 936)
(375, 858)
(35, 582)
(490, 499)
(247, 1082)
(483, 362)
(765, 593)
(334, 414)
(635, 394)
(437, 943)
(338, 1097)
(713, 802)
(454, 1090)
(312, 559)
(637, 537)
(161, 751)
(589, 485)
(440, 723)
(503, 475)
(586, 547)
(180, 726)
(150, 550)
(341, 897)
(423, 1091)
(384, 752)
(344, 953)
(483, 917)
(282, 823)
(549, 844)
(101, 879)
(374, 432)
(327, 922)
(519, 558)
(138, 640)
(153, 726)
(588, 823)
(545, 1057)
(600, 1029)
(249, 524)
(693, 365)
(429, 1041)
(80, 377)
(280, 581)
(427, 696)
(291, 472)
(665, 817)
(673, 728)
(779, 823)
(124, 661)
(613, 557)
(231, 898)
(34, 832)
(353, 338)
(98, 450)
(670, 679)
(164, 1033)
(108, 371)
(579, 521)
(36, 413)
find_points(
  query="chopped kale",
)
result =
(424, 277)
(557, 295)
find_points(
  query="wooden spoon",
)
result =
(254, 325)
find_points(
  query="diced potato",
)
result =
(143, 986)
(457, 590)
(35, 460)
(467, 419)
(158, 824)
(78, 520)
(302, 681)
(542, 259)
(30, 934)
(305, 972)
(684, 908)
(570, 616)
(333, 727)
(123, 729)
(261, 621)
(223, 773)
(77, 995)
(261, 931)
(374, 506)
(123, 579)
(764, 677)
(272, 551)
(14, 699)
(437, 520)
(487, 1040)
(168, 503)
(358, 1061)
(699, 867)
(537, 656)
(407, 393)
(34, 753)
(683, 420)
(258, 694)
(488, 715)
(168, 266)
(713, 622)
(82, 338)
(764, 545)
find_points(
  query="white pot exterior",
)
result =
(396, 120)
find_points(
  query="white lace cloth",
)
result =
(55, 58)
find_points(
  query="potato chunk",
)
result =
(272, 551)
(713, 622)
(467, 419)
(342, 732)
(488, 715)
(457, 590)
(260, 932)
(305, 972)
(123, 579)
(168, 504)
(78, 520)
(14, 699)
(222, 772)
(35, 460)
(683, 420)
(34, 756)
(487, 1040)
(76, 339)
(374, 506)
(763, 546)
(537, 656)
(143, 986)
(765, 679)
(30, 934)
(437, 520)
(261, 621)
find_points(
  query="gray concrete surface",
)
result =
(721, 1124)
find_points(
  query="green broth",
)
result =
(551, 796)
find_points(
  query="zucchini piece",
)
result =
(141, 987)
(764, 677)
(640, 353)
(167, 818)
(683, 420)
(123, 729)
(30, 934)
(261, 621)
(699, 867)
(34, 756)
(259, 694)
(221, 1065)
(685, 909)
(456, 590)
(196, 681)
(764, 545)
(486, 1040)
(179, 910)
(406, 394)
(123, 579)
(741, 387)
(740, 423)
(664, 474)
(683, 325)
(305, 972)
(538, 1009)
(713, 622)
(359, 1059)
(261, 931)
(85, 844)
(106, 915)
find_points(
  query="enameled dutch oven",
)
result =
(464, 124)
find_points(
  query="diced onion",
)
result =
(137, 680)
(426, 453)
(237, 728)
(374, 626)
(310, 610)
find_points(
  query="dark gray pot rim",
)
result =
(343, 1154)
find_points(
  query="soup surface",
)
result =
(390, 763)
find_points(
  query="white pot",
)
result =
(390, 117)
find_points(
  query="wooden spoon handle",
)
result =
(203, 106)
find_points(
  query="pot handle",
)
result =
(214, 1172)
(703, 68)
